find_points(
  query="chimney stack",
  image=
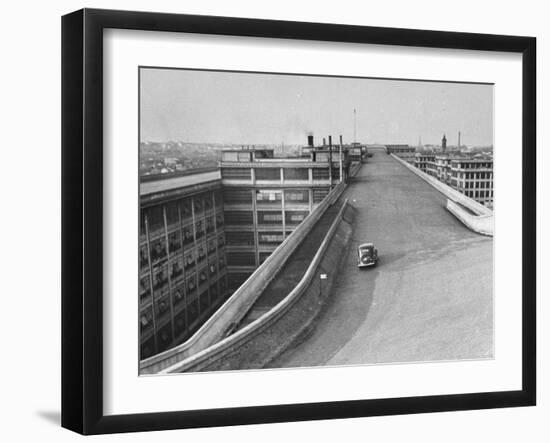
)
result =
(310, 140)
(330, 142)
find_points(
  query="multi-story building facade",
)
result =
(441, 168)
(473, 177)
(423, 159)
(265, 198)
(182, 258)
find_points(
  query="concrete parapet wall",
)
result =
(235, 308)
(260, 341)
(482, 224)
(480, 221)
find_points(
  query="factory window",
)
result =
(270, 217)
(172, 213)
(241, 258)
(296, 196)
(295, 217)
(191, 285)
(158, 250)
(203, 276)
(320, 174)
(199, 229)
(165, 337)
(322, 157)
(221, 241)
(336, 173)
(189, 260)
(270, 238)
(221, 262)
(155, 218)
(219, 220)
(143, 260)
(236, 173)
(267, 197)
(193, 314)
(238, 217)
(210, 224)
(144, 287)
(268, 174)
(160, 278)
(242, 238)
(185, 208)
(146, 319)
(147, 348)
(211, 246)
(296, 174)
(212, 268)
(178, 295)
(320, 194)
(174, 241)
(237, 196)
(198, 204)
(204, 302)
(208, 202)
(187, 234)
(201, 252)
(162, 305)
(176, 270)
(179, 324)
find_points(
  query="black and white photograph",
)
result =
(295, 221)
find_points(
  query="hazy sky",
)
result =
(203, 106)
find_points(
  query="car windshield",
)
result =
(366, 249)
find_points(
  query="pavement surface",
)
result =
(430, 296)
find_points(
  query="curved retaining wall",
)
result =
(209, 356)
(236, 307)
(483, 225)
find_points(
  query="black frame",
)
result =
(82, 231)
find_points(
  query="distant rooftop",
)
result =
(168, 183)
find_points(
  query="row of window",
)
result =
(473, 175)
(236, 218)
(182, 209)
(182, 268)
(274, 174)
(187, 318)
(474, 165)
(183, 293)
(479, 194)
(246, 238)
(160, 252)
(477, 185)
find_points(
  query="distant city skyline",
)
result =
(251, 108)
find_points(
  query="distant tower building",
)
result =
(444, 143)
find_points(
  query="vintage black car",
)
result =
(367, 255)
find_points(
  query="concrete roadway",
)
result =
(429, 298)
